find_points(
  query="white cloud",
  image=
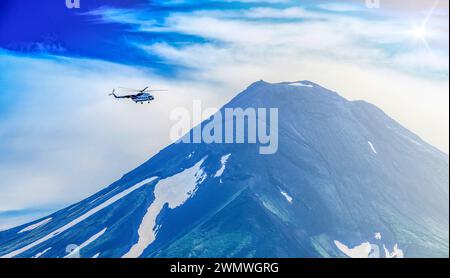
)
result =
(336, 36)
(285, 13)
(421, 60)
(341, 7)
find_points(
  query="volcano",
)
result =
(346, 181)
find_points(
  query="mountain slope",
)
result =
(346, 180)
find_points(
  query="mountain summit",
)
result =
(346, 181)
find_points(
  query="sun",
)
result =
(419, 32)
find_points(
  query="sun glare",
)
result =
(419, 32)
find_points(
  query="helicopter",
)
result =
(140, 96)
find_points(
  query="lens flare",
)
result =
(419, 32)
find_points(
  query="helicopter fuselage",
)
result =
(142, 97)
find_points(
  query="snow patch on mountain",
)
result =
(38, 255)
(287, 196)
(377, 235)
(35, 225)
(396, 252)
(369, 250)
(372, 147)
(174, 191)
(223, 161)
(300, 84)
(359, 251)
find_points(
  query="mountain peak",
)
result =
(304, 83)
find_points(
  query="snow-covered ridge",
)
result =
(35, 225)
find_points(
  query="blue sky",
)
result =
(62, 138)
(116, 31)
